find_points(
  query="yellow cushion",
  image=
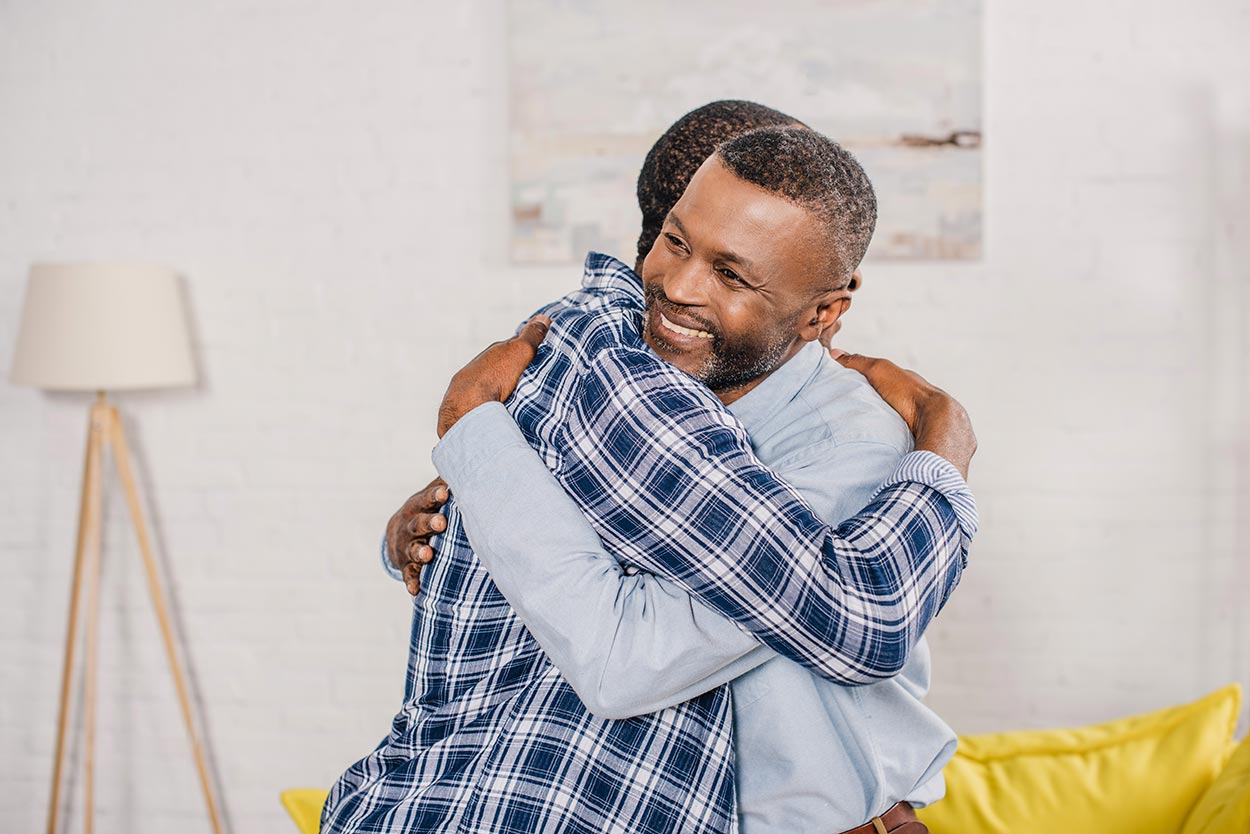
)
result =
(304, 806)
(1225, 807)
(1138, 775)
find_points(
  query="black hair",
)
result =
(677, 154)
(812, 171)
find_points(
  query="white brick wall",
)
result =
(334, 186)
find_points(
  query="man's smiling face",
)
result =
(737, 282)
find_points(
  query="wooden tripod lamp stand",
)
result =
(104, 327)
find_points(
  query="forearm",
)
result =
(849, 603)
(628, 644)
(680, 494)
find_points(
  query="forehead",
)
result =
(723, 214)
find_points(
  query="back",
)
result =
(825, 430)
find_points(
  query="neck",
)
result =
(730, 395)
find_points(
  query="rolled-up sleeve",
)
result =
(667, 476)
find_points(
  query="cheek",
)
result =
(742, 319)
(653, 264)
(650, 258)
(660, 251)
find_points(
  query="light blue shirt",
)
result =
(811, 756)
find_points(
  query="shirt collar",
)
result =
(607, 273)
(757, 406)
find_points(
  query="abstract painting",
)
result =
(593, 84)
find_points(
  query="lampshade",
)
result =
(103, 327)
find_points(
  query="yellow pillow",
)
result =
(1225, 807)
(1138, 775)
(304, 806)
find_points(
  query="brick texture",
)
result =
(333, 181)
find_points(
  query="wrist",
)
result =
(943, 427)
(453, 411)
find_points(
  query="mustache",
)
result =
(655, 297)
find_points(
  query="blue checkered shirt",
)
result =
(492, 739)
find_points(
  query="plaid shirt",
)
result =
(491, 737)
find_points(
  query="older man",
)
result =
(755, 268)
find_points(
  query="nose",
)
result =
(686, 283)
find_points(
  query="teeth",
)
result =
(685, 331)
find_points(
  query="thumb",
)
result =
(854, 361)
(534, 331)
(826, 336)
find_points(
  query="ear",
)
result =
(829, 308)
(857, 280)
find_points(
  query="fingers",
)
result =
(873, 367)
(510, 363)
(426, 524)
(429, 499)
(418, 552)
(826, 335)
(882, 372)
(534, 331)
(412, 578)
(418, 555)
(409, 531)
(854, 361)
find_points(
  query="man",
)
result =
(810, 755)
(491, 736)
(665, 173)
(637, 639)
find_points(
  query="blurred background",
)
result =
(333, 181)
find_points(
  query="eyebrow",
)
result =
(726, 256)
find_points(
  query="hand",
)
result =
(493, 374)
(409, 530)
(826, 335)
(938, 422)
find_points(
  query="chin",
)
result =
(680, 359)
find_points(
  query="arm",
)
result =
(667, 477)
(628, 643)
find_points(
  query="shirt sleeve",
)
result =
(666, 475)
(628, 643)
(391, 571)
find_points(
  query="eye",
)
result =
(731, 275)
(675, 241)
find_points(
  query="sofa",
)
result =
(1173, 771)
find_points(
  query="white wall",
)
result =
(333, 184)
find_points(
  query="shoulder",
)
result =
(580, 334)
(836, 408)
(842, 441)
(606, 283)
(633, 378)
(604, 314)
(852, 409)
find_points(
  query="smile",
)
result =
(684, 331)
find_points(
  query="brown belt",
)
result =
(900, 819)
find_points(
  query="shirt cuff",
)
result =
(936, 472)
(478, 438)
(392, 571)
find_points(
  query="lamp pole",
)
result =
(91, 327)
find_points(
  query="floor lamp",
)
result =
(105, 327)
